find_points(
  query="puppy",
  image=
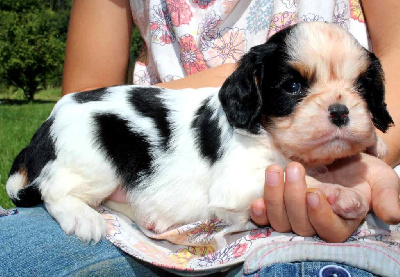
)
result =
(310, 94)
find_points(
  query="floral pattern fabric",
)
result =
(183, 37)
(194, 247)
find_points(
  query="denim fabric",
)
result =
(305, 269)
(33, 244)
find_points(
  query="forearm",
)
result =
(384, 31)
(212, 77)
(391, 65)
(97, 47)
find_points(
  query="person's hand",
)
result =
(288, 205)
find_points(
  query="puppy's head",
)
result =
(317, 92)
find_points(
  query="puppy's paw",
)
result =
(345, 202)
(76, 217)
(87, 226)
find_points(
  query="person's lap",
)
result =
(33, 244)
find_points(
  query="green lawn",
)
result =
(18, 122)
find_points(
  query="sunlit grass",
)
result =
(19, 120)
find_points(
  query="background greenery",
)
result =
(32, 44)
(19, 119)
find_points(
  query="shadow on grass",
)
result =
(9, 102)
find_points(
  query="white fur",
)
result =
(184, 187)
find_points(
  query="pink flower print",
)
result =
(340, 15)
(260, 233)
(161, 26)
(204, 232)
(240, 249)
(227, 48)
(209, 30)
(180, 12)
(191, 58)
(356, 11)
(280, 21)
(204, 4)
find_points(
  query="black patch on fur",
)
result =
(207, 132)
(32, 160)
(255, 88)
(90, 96)
(127, 150)
(372, 88)
(147, 101)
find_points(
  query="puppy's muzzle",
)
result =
(339, 114)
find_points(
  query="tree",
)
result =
(32, 41)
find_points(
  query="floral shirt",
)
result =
(182, 37)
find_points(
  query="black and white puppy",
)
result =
(310, 94)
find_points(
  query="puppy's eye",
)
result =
(292, 87)
(360, 87)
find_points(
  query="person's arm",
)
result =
(211, 77)
(98, 41)
(97, 50)
(384, 29)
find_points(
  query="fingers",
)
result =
(258, 212)
(385, 197)
(274, 199)
(329, 226)
(295, 200)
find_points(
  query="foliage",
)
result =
(32, 42)
(19, 119)
(136, 43)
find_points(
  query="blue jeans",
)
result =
(33, 244)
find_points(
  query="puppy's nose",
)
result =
(339, 114)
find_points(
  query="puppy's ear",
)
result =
(373, 85)
(241, 95)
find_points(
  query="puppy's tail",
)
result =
(21, 192)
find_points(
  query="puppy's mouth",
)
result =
(332, 145)
(334, 136)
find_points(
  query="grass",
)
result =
(19, 120)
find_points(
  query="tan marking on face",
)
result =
(304, 70)
(330, 58)
(24, 174)
(308, 136)
(326, 50)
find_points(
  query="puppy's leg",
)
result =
(378, 150)
(346, 202)
(237, 222)
(68, 197)
(76, 217)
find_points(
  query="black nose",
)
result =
(339, 114)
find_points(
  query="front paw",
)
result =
(345, 202)
(76, 217)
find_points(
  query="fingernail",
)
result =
(272, 178)
(258, 212)
(292, 173)
(312, 199)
